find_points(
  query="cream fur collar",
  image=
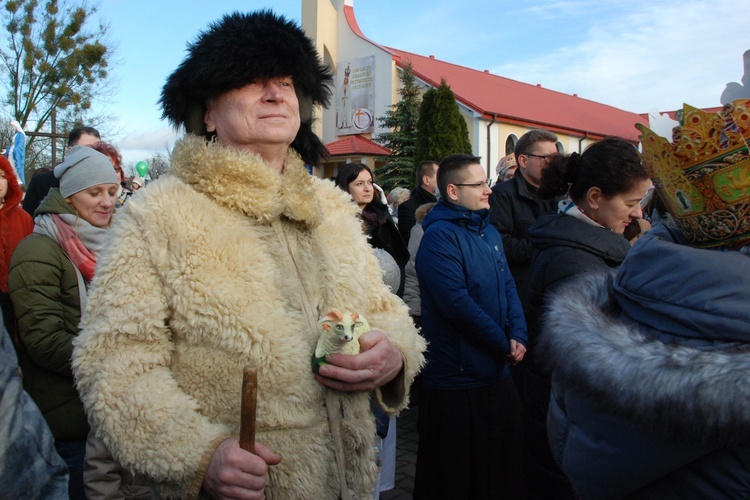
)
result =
(242, 181)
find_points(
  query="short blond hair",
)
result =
(399, 195)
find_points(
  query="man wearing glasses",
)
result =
(516, 205)
(470, 431)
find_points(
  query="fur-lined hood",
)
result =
(699, 392)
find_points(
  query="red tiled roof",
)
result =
(523, 103)
(356, 145)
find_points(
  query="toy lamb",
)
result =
(340, 333)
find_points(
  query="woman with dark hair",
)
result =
(650, 363)
(357, 180)
(604, 187)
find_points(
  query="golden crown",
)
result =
(703, 175)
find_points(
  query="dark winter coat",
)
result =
(406, 218)
(515, 206)
(38, 188)
(470, 308)
(650, 393)
(44, 289)
(386, 237)
(564, 247)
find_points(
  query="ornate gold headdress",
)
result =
(703, 176)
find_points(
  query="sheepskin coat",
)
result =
(208, 270)
(650, 395)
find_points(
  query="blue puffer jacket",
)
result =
(650, 375)
(470, 307)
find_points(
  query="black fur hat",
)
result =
(233, 52)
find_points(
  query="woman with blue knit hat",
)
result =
(49, 275)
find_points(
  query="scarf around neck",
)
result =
(567, 207)
(80, 241)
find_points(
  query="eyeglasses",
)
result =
(475, 185)
(541, 157)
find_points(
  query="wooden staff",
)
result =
(249, 406)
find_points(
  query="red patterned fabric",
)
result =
(72, 245)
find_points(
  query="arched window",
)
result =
(510, 144)
(560, 148)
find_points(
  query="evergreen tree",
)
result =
(399, 168)
(441, 130)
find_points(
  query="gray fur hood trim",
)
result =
(691, 392)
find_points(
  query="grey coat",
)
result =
(29, 465)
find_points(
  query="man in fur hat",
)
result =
(231, 260)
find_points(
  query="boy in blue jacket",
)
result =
(470, 429)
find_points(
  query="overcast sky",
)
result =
(637, 55)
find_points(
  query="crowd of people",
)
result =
(554, 343)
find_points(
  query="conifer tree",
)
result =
(441, 130)
(399, 168)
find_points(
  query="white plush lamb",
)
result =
(340, 333)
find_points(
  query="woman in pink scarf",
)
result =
(49, 273)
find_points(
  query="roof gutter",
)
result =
(580, 141)
(489, 148)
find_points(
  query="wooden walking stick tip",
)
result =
(249, 408)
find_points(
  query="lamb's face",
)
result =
(341, 328)
(344, 330)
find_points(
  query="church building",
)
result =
(497, 110)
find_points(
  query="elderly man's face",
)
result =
(262, 113)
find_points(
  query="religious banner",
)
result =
(355, 96)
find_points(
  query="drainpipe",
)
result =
(585, 137)
(489, 149)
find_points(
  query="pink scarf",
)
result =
(72, 245)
